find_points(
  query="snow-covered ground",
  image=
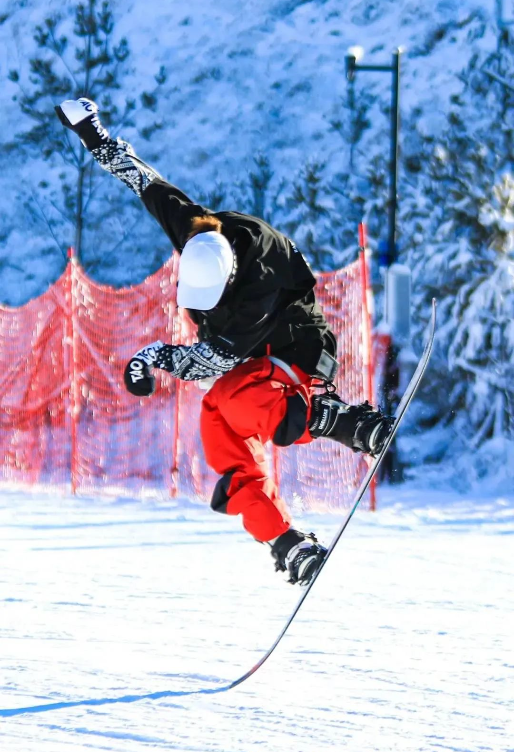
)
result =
(115, 615)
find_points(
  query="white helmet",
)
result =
(206, 265)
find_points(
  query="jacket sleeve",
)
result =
(167, 203)
(118, 158)
(199, 361)
(172, 209)
(223, 352)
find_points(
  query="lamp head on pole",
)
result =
(350, 67)
(354, 55)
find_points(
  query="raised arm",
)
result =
(168, 204)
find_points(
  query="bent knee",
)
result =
(293, 424)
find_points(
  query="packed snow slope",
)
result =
(114, 615)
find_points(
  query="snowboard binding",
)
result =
(359, 427)
(299, 555)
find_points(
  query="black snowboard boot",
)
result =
(356, 426)
(299, 555)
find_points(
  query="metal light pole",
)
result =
(352, 66)
(397, 279)
(393, 167)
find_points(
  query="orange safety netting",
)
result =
(66, 418)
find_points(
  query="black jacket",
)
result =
(270, 307)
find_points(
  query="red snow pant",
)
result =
(244, 409)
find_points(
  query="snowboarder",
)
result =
(260, 330)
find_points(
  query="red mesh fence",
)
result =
(34, 389)
(67, 420)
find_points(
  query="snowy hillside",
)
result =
(264, 81)
(247, 107)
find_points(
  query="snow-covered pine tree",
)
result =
(90, 61)
(481, 347)
(260, 178)
(306, 212)
(465, 258)
(358, 186)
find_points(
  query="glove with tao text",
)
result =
(138, 377)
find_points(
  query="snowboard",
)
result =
(399, 414)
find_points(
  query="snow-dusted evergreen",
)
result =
(66, 199)
(463, 253)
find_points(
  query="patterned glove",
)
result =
(137, 376)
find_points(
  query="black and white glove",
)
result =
(138, 376)
(81, 116)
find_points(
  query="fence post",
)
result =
(175, 441)
(175, 330)
(367, 349)
(72, 363)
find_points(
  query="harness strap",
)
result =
(286, 368)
